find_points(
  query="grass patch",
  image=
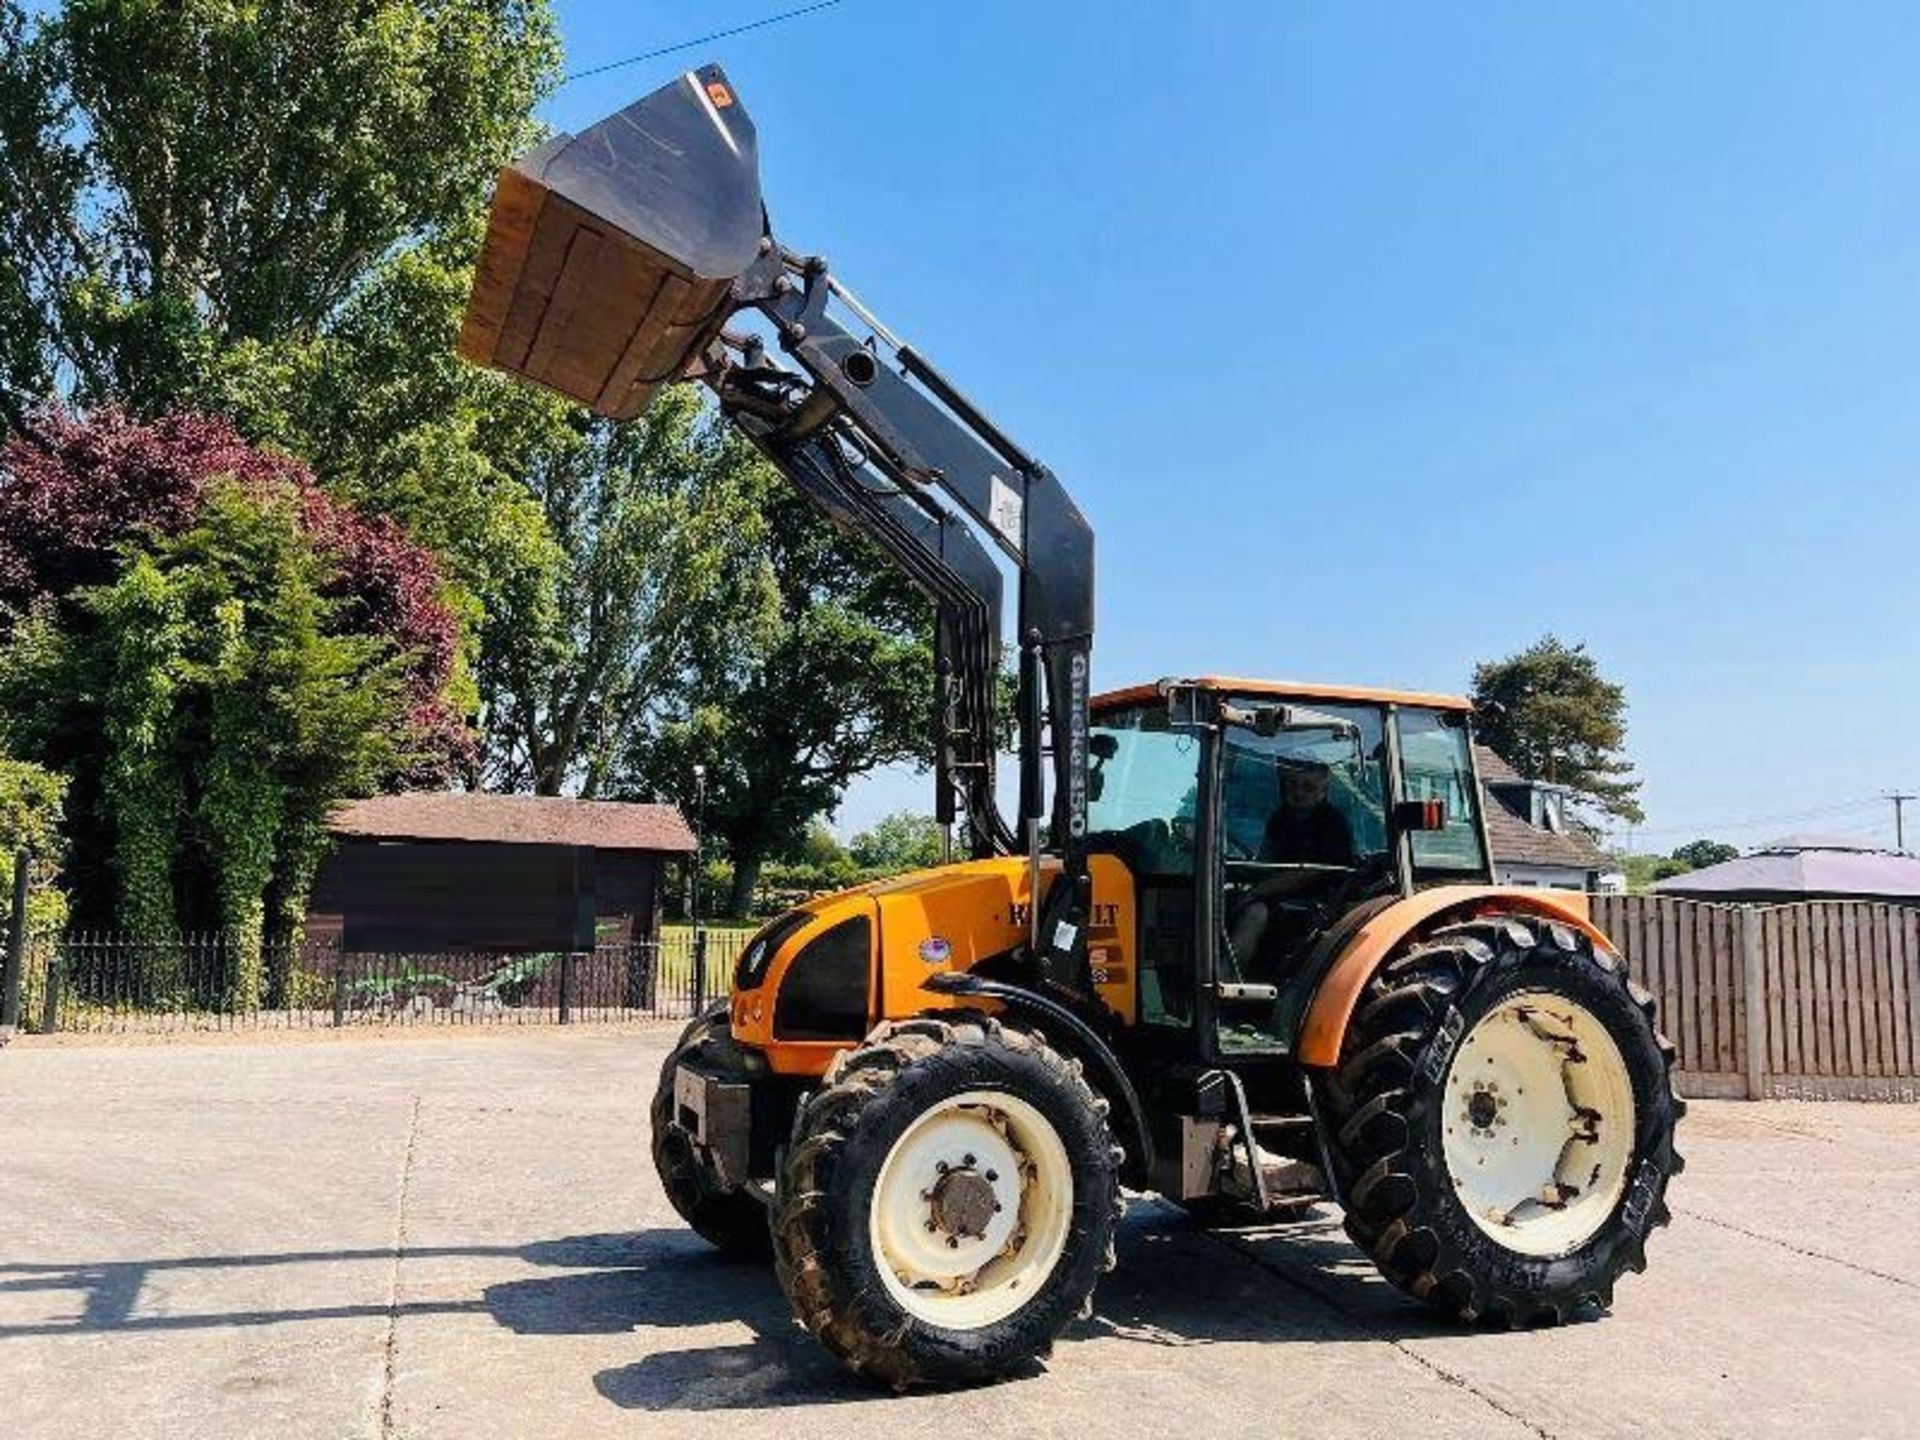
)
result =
(725, 940)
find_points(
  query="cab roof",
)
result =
(1283, 689)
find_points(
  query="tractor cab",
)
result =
(1258, 818)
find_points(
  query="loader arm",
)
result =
(920, 435)
(616, 261)
(935, 549)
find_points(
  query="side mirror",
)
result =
(1103, 746)
(1420, 815)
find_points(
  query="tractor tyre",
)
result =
(732, 1220)
(1501, 1123)
(947, 1203)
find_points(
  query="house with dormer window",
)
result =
(1533, 836)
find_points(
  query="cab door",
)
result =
(1301, 836)
(1145, 805)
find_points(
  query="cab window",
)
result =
(1143, 799)
(1143, 790)
(1436, 764)
(1312, 795)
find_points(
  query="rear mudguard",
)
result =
(1387, 929)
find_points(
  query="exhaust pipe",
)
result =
(610, 255)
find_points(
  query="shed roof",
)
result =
(516, 820)
(1805, 865)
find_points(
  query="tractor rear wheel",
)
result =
(1502, 1121)
(947, 1203)
(734, 1220)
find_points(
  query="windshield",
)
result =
(1437, 765)
(1143, 795)
(1312, 795)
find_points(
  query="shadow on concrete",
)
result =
(1176, 1287)
(670, 1279)
(612, 1284)
(111, 1290)
(1299, 1280)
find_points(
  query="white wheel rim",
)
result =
(971, 1210)
(1538, 1124)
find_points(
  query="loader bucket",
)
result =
(609, 254)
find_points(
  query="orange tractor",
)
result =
(1240, 947)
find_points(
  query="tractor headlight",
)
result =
(751, 968)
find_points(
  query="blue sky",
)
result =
(1377, 339)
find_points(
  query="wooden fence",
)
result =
(1810, 1001)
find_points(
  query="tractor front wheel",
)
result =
(948, 1202)
(1502, 1121)
(734, 1220)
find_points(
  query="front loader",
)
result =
(1241, 946)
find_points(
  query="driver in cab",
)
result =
(1306, 830)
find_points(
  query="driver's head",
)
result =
(1303, 786)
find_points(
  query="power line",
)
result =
(1875, 828)
(1750, 821)
(761, 23)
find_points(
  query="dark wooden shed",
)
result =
(494, 873)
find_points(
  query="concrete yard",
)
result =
(461, 1236)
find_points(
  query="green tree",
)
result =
(1642, 871)
(235, 704)
(656, 526)
(177, 178)
(31, 798)
(821, 849)
(586, 550)
(286, 201)
(786, 709)
(1549, 713)
(1699, 854)
(299, 712)
(904, 840)
(270, 211)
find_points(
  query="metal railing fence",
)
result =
(114, 981)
